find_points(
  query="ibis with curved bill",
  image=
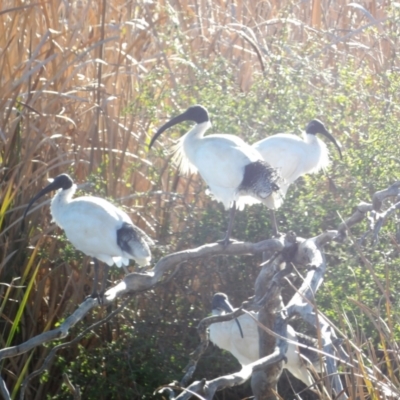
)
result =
(244, 344)
(96, 227)
(234, 171)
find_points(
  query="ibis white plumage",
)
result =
(293, 156)
(96, 227)
(234, 171)
(245, 349)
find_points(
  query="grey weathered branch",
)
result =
(206, 389)
(306, 253)
(309, 254)
(303, 302)
(377, 218)
(137, 282)
(359, 214)
(273, 290)
(379, 197)
(75, 391)
(268, 302)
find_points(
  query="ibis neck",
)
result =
(198, 131)
(194, 135)
(318, 153)
(310, 138)
(187, 146)
(59, 202)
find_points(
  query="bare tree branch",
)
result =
(133, 283)
(74, 390)
(379, 197)
(306, 253)
(272, 291)
(207, 389)
(377, 219)
(309, 253)
(267, 300)
(302, 303)
(301, 252)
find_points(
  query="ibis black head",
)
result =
(220, 301)
(195, 113)
(62, 181)
(316, 126)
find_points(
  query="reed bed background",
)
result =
(85, 84)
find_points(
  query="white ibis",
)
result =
(294, 157)
(233, 170)
(96, 227)
(245, 348)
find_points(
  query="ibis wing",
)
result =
(294, 363)
(221, 160)
(284, 152)
(226, 336)
(246, 348)
(91, 225)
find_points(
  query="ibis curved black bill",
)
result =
(197, 114)
(220, 301)
(315, 126)
(334, 141)
(62, 181)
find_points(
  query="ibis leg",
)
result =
(225, 241)
(104, 281)
(95, 294)
(275, 231)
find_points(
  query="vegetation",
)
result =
(84, 86)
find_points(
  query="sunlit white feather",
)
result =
(293, 156)
(220, 159)
(91, 225)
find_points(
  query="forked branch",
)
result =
(134, 283)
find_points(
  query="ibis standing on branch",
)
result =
(244, 344)
(294, 157)
(234, 171)
(96, 227)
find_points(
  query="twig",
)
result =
(76, 392)
(380, 219)
(377, 219)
